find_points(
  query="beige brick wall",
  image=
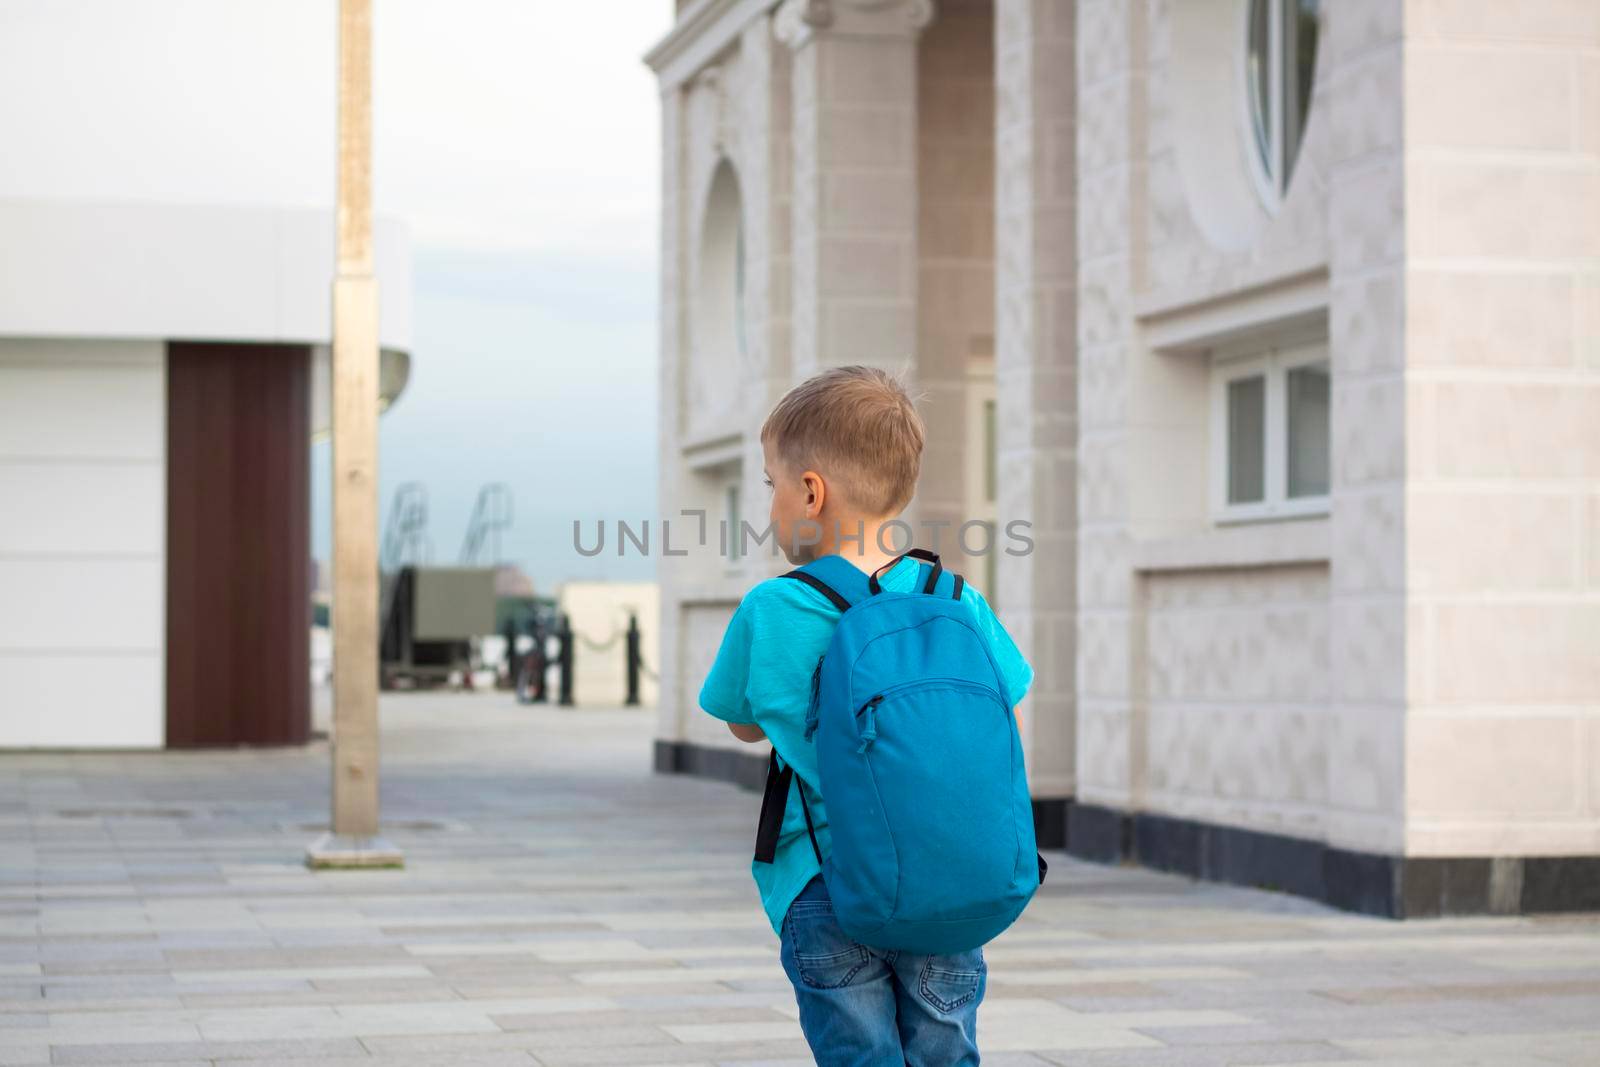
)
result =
(1415, 671)
(1110, 89)
(1369, 641)
(733, 111)
(1164, 246)
(1036, 367)
(818, 124)
(955, 212)
(1502, 280)
(1237, 689)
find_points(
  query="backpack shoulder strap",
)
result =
(945, 584)
(774, 801)
(836, 578)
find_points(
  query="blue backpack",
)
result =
(920, 761)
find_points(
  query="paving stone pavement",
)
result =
(562, 905)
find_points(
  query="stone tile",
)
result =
(510, 938)
(207, 1051)
(1223, 1055)
(672, 975)
(764, 1052)
(1573, 1047)
(313, 996)
(537, 1042)
(506, 1058)
(1492, 991)
(694, 1014)
(726, 1032)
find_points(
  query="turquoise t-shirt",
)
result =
(762, 675)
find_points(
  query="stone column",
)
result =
(354, 840)
(1035, 367)
(1109, 78)
(1501, 409)
(854, 108)
(1368, 644)
(674, 704)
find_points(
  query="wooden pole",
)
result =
(354, 840)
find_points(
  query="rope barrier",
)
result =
(599, 646)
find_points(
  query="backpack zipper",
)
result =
(816, 692)
(869, 728)
(955, 683)
(869, 732)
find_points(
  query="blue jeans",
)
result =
(869, 1007)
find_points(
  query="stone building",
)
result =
(164, 368)
(1278, 322)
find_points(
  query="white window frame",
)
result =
(1274, 364)
(981, 451)
(1272, 176)
(1266, 179)
(732, 508)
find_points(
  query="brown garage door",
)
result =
(238, 544)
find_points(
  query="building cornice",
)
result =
(799, 21)
(702, 31)
(707, 27)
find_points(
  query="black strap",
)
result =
(960, 581)
(774, 802)
(1044, 868)
(820, 586)
(916, 553)
(933, 575)
(811, 831)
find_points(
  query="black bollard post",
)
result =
(538, 660)
(566, 662)
(513, 661)
(539, 669)
(632, 700)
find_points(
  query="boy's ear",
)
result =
(816, 492)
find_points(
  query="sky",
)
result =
(519, 142)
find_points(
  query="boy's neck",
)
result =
(839, 539)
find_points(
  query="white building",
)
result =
(157, 371)
(1278, 321)
(164, 316)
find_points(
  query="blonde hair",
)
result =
(857, 427)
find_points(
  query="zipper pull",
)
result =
(869, 732)
(816, 690)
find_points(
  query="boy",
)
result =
(842, 453)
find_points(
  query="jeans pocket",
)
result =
(824, 955)
(952, 984)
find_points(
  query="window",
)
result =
(738, 286)
(980, 494)
(730, 516)
(991, 453)
(1280, 63)
(1270, 433)
(715, 295)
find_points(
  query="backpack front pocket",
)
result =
(941, 753)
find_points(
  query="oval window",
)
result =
(1280, 68)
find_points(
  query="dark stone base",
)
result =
(1397, 887)
(1050, 814)
(743, 769)
(1050, 817)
